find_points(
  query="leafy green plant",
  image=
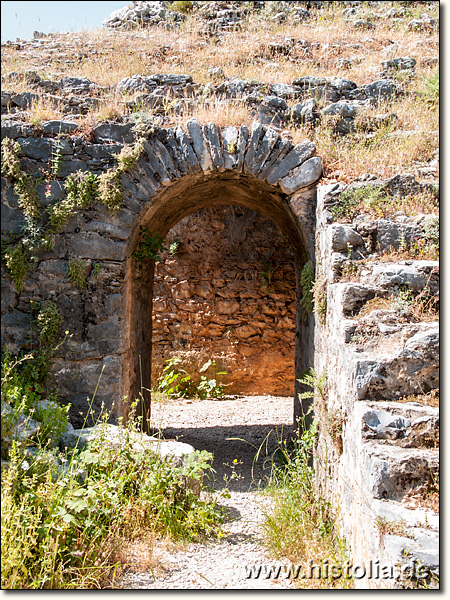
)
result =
(209, 387)
(76, 271)
(24, 186)
(24, 396)
(35, 238)
(60, 213)
(150, 245)
(65, 524)
(174, 380)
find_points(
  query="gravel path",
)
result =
(209, 425)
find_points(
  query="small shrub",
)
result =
(35, 238)
(60, 213)
(129, 156)
(18, 265)
(182, 6)
(430, 89)
(82, 189)
(76, 271)
(11, 151)
(150, 245)
(173, 247)
(53, 419)
(354, 200)
(49, 322)
(266, 276)
(110, 190)
(25, 188)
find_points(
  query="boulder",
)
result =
(176, 453)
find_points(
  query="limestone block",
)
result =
(408, 370)
(244, 135)
(343, 236)
(281, 149)
(58, 126)
(175, 453)
(255, 134)
(15, 129)
(298, 155)
(25, 100)
(116, 132)
(191, 161)
(103, 150)
(395, 471)
(211, 135)
(230, 146)
(162, 154)
(383, 89)
(24, 427)
(96, 247)
(305, 112)
(44, 148)
(390, 234)
(309, 172)
(340, 108)
(265, 147)
(200, 146)
(155, 168)
(392, 275)
(12, 219)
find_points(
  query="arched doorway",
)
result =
(182, 198)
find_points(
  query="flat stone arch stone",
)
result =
(180, 173)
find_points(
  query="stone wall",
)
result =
(378, 449)
(234, 314)
(227, 292)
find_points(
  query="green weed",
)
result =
(301, 526)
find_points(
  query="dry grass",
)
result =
(106, 57)
(429, 399)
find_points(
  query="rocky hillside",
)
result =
(359, 78)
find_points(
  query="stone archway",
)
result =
(180, 174)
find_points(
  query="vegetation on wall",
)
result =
(307, 282)
(82, 189)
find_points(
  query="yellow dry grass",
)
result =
(107, 56)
